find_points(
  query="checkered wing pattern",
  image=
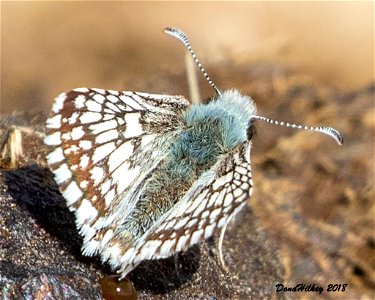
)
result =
(209, 204)
(103, 144)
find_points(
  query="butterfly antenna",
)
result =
(180, 35)
(326, 130)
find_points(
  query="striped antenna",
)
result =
(326, 130)
(180, 35)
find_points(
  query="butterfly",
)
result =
(149, 175)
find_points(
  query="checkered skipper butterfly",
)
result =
(149, 175)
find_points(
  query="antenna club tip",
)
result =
(172, 30)
(338, 137)
(167, 29)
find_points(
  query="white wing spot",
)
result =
(85, 144)
(54, 122)
(106, 238)
(148, 249)
(107, 136)
(66, 136)
(133, 128)
(181, 242)
(93, 106)
(191, 223)
(200, 208)
(213, 198)
(73, 118)
(131, 102)
(99, 98)
(81, 90)
(102, 152)
(109, 197)
(209, 231)
(53, 139)
(180, 223)
(245, 186)
(90, 117)
(237, 192)
(79, 101)
(241, 170)
(108, 117)
(84, 161)
(214, 214)
(221, 222)
(100, 91)
(123, 107)
(113, 92)
(219, 200)
(127, 256)
(71, 149)
(112, 107)
(196, 236)
(59, 103)
(62, 174)
(121, 154)
(103, 126)
(83, 184)
(77, 133)
(85, 212)
(205, 214)
(104, 188)
(228, 199)
(97, 174)
(165, 249)
(120, 121)
(72, 193)
(55, 156)
(112, 98)
(197, 201)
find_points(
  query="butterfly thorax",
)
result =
(208, 132)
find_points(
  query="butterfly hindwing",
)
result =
(208, 205)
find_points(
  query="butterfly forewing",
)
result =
(102, 146)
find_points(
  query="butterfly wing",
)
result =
(209, 204)
(102, 145)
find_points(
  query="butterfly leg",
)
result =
(220, 245)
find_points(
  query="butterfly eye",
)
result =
(250, 131)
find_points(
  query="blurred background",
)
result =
(50, 47)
